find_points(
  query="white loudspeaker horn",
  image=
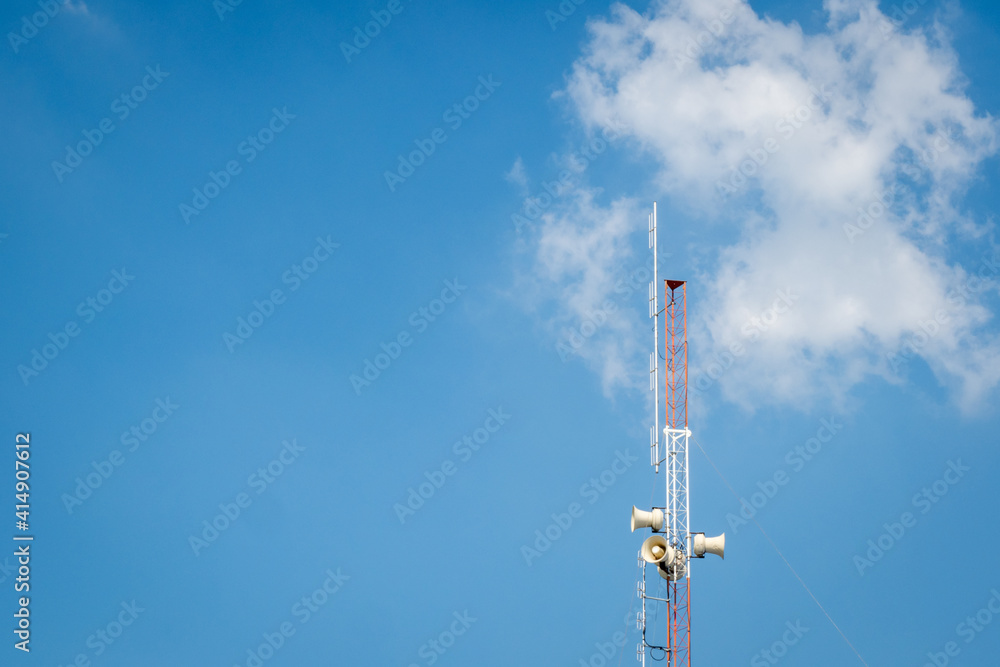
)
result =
(672, 573)
(710, 545)
(656, 550)
(641, 519)
(668, 562)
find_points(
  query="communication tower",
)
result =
(665, 616)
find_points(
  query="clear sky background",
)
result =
(245, 253)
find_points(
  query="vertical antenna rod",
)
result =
(654, 359)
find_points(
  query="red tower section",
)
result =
(675, 351)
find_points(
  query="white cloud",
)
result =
(581, 277)
(76, 7)
(517, 175)
(789, 137)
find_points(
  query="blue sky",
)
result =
(176, 367)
